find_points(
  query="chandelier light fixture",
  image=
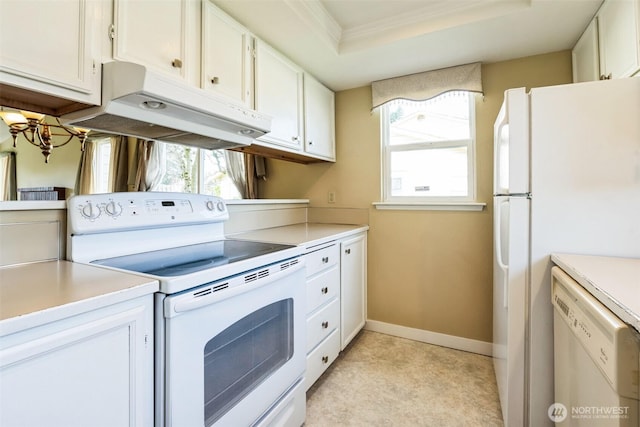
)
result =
(40, 133)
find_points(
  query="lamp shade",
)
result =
(12, 118)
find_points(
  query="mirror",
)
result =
(206, 171)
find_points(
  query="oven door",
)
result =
(235, 348)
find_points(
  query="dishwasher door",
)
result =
(596, 360)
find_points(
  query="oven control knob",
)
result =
(210, 205)
(90, 211)
(220, 206)
(113, 209)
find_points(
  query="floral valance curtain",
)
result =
(427, 85)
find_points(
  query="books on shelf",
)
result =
(42, 193)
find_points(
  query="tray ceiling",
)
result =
(349, 43)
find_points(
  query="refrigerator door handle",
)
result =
(498, 249)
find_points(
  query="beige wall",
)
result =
(430, 270)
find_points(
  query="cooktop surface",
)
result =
(184, 260)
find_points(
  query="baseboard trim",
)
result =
(451, 341)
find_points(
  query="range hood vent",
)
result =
(144, 104)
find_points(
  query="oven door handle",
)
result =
(174, 306)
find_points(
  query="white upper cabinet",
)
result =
(278, 87)
(585, 58)
(610, 46)
(51, 47)
(163, 35)
(619, 38)
(227, 55)
(319, 119)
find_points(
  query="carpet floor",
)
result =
(381, 380)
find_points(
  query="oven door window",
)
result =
(245, 354)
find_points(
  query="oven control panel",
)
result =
(98, 213)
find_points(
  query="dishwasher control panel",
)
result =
(610, 343)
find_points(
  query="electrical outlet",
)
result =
(332, 197)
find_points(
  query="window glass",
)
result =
(428, 149)
(436, 172)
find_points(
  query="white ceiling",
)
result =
(350, 43)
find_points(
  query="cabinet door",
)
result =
(585, 58)
(158, 34)
(51, 47)
(94, 369)
(619, 38)
(279, 94)
(227, 57)
(319, 119)
(353, 278)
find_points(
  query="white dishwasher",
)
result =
(596, 360)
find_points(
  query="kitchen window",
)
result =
(428, 153)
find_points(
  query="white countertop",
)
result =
(39, 293)
(615, 282)
(307, 235)
(32, 205)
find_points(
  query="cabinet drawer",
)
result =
(322, 323)
(322, 259)
(319, 359)
(323, 288)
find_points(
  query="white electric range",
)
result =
(230, 315)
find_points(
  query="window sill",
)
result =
(430, 206)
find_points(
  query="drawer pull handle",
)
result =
(325, 359)
(176, 63)
(347, 251)
(325, 324)
(325, 290)
(325, 260)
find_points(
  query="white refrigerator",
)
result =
(566, 179)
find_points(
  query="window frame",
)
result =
(467, 202)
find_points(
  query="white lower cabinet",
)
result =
(353, 277)
(92, 369)
(321, 323)
(336, 300)
(320, 358)
(323, 309)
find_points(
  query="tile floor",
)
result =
(381, 380)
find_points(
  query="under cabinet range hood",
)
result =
(141, 103)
